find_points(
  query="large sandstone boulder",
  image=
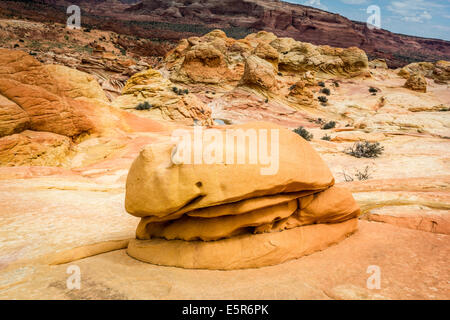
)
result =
(13, 119)
(205, 60)
(438, 71)
(416, 82)
(259, 72)
(167, 101)
(267, 52)
(300, 94)
(32, 148)
(211, 208)
(324, 60)
(378, 64)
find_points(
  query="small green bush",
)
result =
(144, 106)
(329, 125)
(336, 84)
(373, 90)
(326, 137)
(323, 99)
(180, 92)
(321, 84)
(326, 91)
(365, 149)
(305, 134)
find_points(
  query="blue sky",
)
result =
(421, 18)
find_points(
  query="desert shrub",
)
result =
(326, 91)
(292, 87)
(305, 134)
(280, 74)
(360, 175)
(363, 175)
(321, 84)
(267, 100)
(87, 30)
(373, 90)
(144, 106)
(323, 99)
(329, 125)
(336, 84)
(326, 137)
(180, 92)
(318, 121)
(347, 177)
(365, 149)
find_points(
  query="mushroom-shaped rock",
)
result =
(229, 211)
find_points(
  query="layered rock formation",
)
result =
(206, 215)
(47, 98)
(166, 101)
(44, 108)
(109, 70)
(34, 148)
(255, 60)
(438, 71)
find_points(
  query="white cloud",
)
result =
(316, 4)
(414, 10)
(354, 1)
(421, 17)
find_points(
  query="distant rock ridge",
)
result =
(178, 19)
(300, 23)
